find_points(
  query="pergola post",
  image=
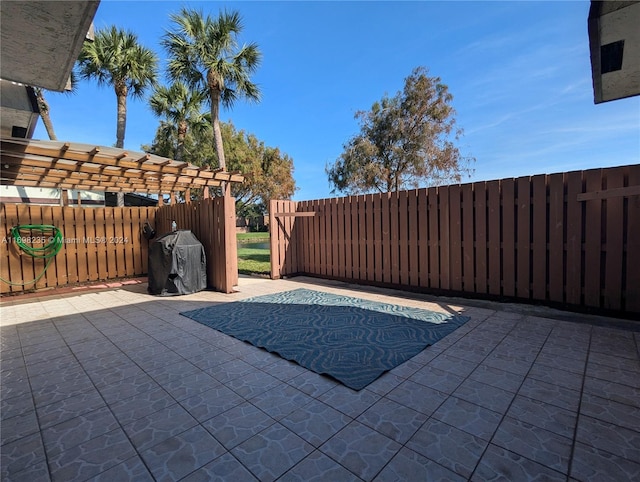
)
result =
(187, 195)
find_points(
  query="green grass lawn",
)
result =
(252, 237)
(252, 260)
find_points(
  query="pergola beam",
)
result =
(76, 166)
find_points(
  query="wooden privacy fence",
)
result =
(213, 221)
(107, 243)
(569, 238)
(99, 244)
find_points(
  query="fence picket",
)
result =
(403, 237)
(508, 222)
(556, 237)
(434, 238)
(523, 266)
(574, 241)
(540, 228)
(378, 257)
(481, 274)
(468, 239)
(444, 242)
(494, 259)
(341, 244)
(10, 263)
(351, 237)
(593, 238)
(613, 230)
(70, 245)
(413, 226)
(118, 240)
(394, 237)
(632, 284)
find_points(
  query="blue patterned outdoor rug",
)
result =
(353, 340)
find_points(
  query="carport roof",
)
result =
(70, 165)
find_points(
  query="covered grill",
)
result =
(177, 264)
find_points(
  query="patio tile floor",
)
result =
(117, 385)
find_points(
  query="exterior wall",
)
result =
(48, 196)
(570, 239)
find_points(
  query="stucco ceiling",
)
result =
(41, 40)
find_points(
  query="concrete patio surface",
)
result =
(116, 385)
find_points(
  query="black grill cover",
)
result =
(177, 264)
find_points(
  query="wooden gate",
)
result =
(213, 222)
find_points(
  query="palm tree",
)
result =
(116, 58)
(205, 54)
(43, 105)
(182, 108)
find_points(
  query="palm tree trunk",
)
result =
(122, 119)
(121, 93)
(217, 135)
(182, 133)
(217, 132)
(43, 106)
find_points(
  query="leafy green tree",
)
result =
(182, 108)
(204, 52)
(268, 172)
(252, 210)
(404, 141)
(116, 58)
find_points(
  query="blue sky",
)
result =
(519, 73)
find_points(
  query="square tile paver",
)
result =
(316, 422)
(535, 443)
(453, 448)
(115, 384)
(409, 465)
(500, 464)
(159, 426)
(469, 417)
(317, 467)
(182, 454)
(272, 452)
(87, 459)
(223, 469)
(66, 435)
(590, 463)
(280, 402)
(361, 449)
(238, 424)
(393, 420)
